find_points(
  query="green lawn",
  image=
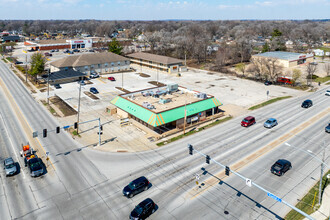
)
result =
(322, 79)
(269, 102)
(306, 203)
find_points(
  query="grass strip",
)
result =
(322, 79)
(269, 102)
(306, 203)
(193, 131)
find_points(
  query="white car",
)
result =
(327, 93)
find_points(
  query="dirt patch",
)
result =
(144, 75)
(23, 80)
(123, 90)
(159, 84)
(91, 95)
(62, 106)
(198, 82)
(88, 82)
(221, 78)
(210, 73)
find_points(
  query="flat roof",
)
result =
(154, 58)
(65, 74)
(284, 55)
(179, 98)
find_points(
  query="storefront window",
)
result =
(73, 46)
(82, 46)
(119, 63)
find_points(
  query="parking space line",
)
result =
(211, 181)
(99, 79)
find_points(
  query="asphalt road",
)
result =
(82, 183)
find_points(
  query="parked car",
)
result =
(10, 166)
(136, 186)
(271, 122)
(111, 78)
(143, 210)
(280, 167)
(76, 50)
(90, 50)
(93, 90)
(94, 75)
(35, 167)
(327, 128)
(57, 86)
(307, 103)
(18, 62)
(48, 54)
(248, 121)
(327, 93)
(66, 51)
(52, 51)
(56, 50)
(267, 83)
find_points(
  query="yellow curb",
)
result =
(240, 164)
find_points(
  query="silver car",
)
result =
(10, 166)
(271, 122)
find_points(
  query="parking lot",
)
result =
(236, 95)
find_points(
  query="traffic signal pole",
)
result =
(256, 185)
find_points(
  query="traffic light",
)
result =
(208, 158)
(227, 170)
(75, 125)
(101, 128)
(58, 130)
(191, 149)
(44, 133)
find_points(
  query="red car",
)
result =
(111, 78)
(248, 121)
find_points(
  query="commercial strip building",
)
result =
(59, 44)
(101, 63)
(164, 108)
(9, 38)
(286, 59)
(163, 63)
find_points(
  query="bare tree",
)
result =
(327, 68)
(272, 68)
(310, 69)
(258, 67)
(296, 74)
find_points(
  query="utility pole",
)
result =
(185, 115)
(48, 87)
(78, 107)
(321, 178)
(157, 73)
(122, 80)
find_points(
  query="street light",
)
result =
(312, 154)
(78, 106)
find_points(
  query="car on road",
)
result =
(111, 78)
(10, 166)
(136, 186)
(327, 128)
(280, 167)
(93, 90)
(267, 83)
(327, 93)
(271, 122)
(248, 121)
(307, 103)
(35, 167)
(57, 86)
(143, 210)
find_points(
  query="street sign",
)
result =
(274, 197)
(35, 134)
(267, 92)
(66, 127)
(248, 182)
(197, 176)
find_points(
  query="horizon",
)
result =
(161, 10)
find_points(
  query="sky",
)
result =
(164, 10)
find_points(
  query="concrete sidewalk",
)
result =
(324, 211)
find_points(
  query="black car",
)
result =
(35, 167)
(18, 62)
(307, 103)
(93, 90)
(267, 83)
(57, 86)
(136, 186)
(327, 128)
(280, 167)
(143, 210)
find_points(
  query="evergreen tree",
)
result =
(114, 47)
(37, 64)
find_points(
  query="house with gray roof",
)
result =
(153, 61)
(101, 63)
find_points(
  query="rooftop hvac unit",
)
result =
(145, 104)
(172, 87)
(163, 101)
(203, 96)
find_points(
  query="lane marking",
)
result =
(12, 145)
(99, 79)
(21, 115)
(211, 181)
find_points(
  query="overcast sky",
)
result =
(162, 9)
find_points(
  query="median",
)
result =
(269, 102)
